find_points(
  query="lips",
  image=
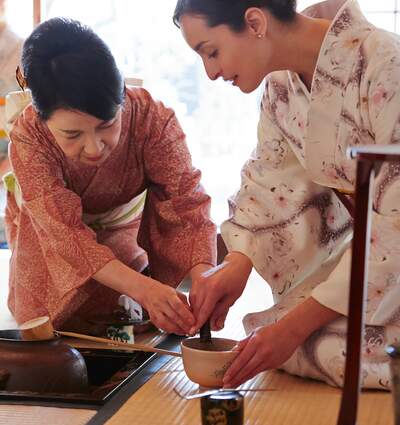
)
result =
(232, 80)
(94, 158)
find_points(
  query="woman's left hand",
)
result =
(267, 347)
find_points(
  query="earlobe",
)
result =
(256, 21)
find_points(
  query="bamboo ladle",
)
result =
(41, 328)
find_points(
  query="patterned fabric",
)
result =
(54, 253)
(288, 220)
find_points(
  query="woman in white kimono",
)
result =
(332, 81)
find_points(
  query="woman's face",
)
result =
(84, 137)
(236, 57)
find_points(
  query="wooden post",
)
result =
(37, 12)
(358, 290)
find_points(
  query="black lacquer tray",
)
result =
(108, 371)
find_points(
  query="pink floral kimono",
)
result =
(66, 220)
(289, 221)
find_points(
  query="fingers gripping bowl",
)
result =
(207, 364)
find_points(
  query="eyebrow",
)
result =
(80, 131)
(200, 45)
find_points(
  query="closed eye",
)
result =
(213, 55)
(73, 136)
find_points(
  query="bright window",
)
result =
(220, 121)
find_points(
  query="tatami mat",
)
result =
(295, 401)
(37, 415)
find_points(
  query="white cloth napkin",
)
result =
(131, 306)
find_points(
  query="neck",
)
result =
(299, 46)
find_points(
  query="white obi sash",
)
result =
(118, 216)
(115, 218)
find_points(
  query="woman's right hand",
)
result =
(168, 309)
(216, 290)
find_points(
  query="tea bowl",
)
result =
(207, 367)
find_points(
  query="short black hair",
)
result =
(66, 65)
(231, 12)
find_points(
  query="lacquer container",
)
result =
(225, 407)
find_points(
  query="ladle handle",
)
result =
(134, 347)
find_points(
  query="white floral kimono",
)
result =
(289, 221)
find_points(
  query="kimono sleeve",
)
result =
(383, 290)
(68, 247)
(176, 229)
(278, 217)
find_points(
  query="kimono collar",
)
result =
(127, 116)
(340, 47)
(325, 10)
(339, 64)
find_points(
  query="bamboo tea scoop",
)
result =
(134, 347)
(41, 328)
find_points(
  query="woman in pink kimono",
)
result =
(88, 155)
(332, 81)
